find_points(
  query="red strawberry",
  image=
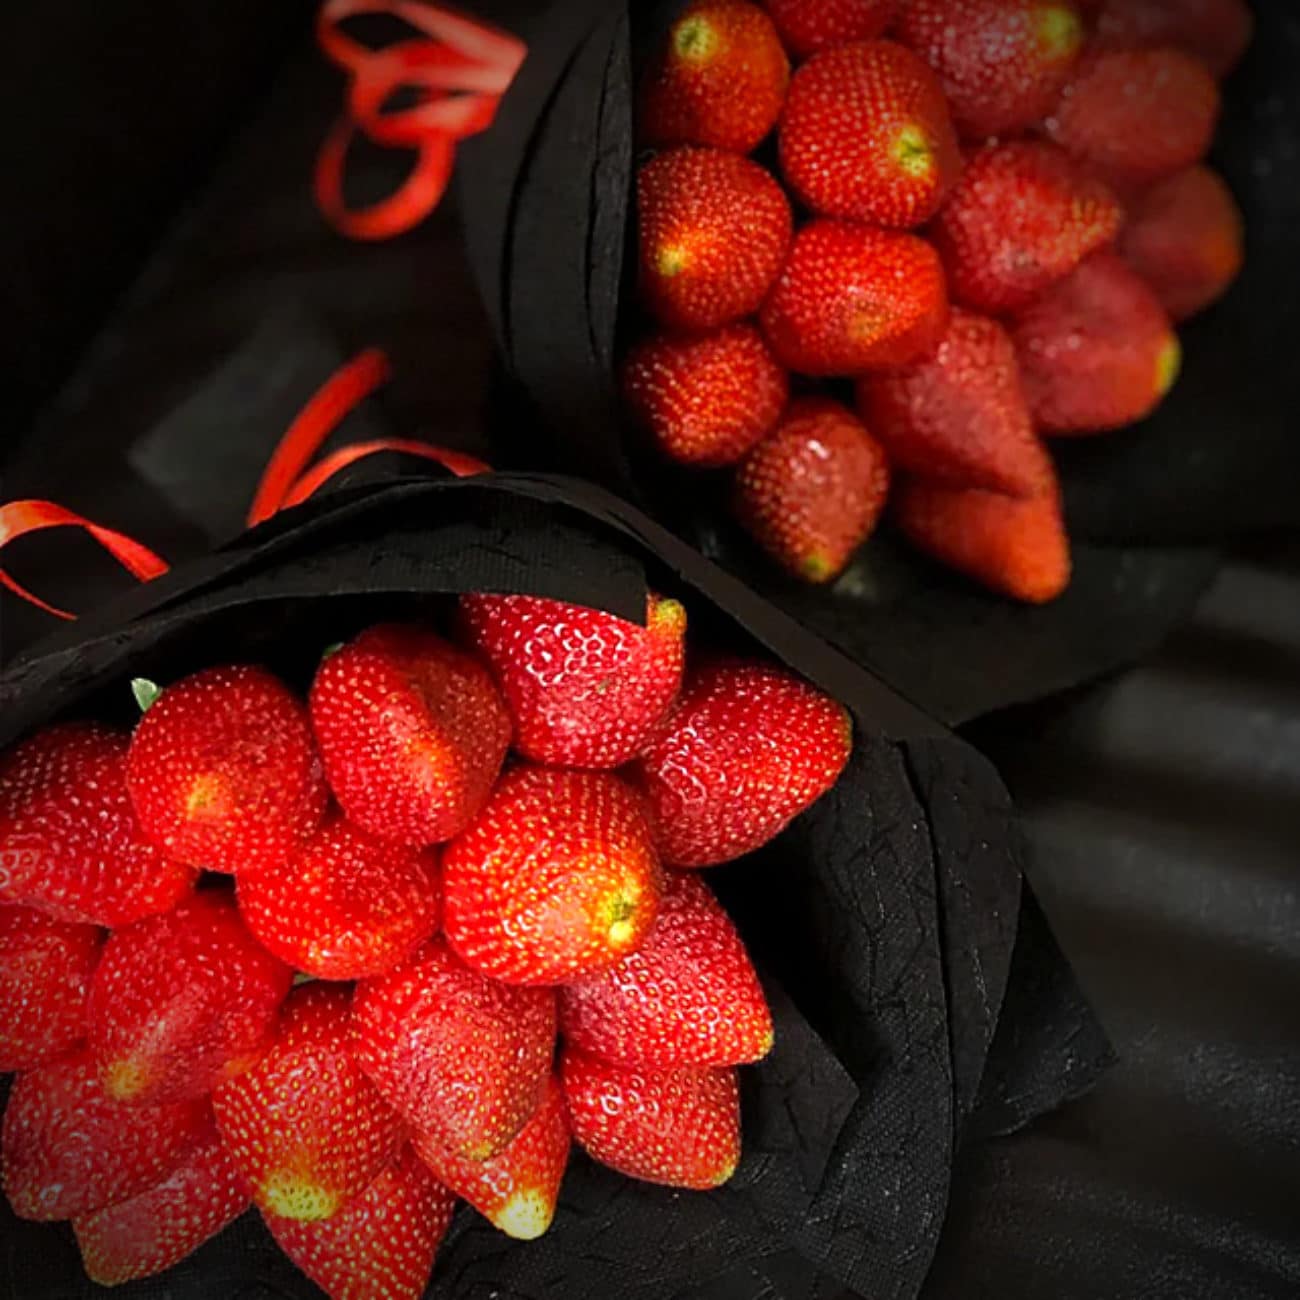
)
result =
(69, 1149)
(688, 996)
(516, 1190)
(1002, 62)
(1022, 217)
(714, 228)
(557, 877)
(181, 1002)
(305, 1126)
(705, 400)
(1215, 31)
(866, 135)
(70, 844)
(1014, 545)
(1184, 238)
(462, 1057)
(851, 298)
(807, 26)
(680, 1127)
(150, 1232)
(960, 417)
(746, 749)
(45, 969)
(412, 731)
(1096, 352)
(382, 1244)
(347, 906)
(719, 78)
(583, 688)
(811, 493)
(1137, 115)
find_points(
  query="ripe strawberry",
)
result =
(305, 1126)
(181, 1002)
(808, 26)
(680, 1127)
(462, 1057)
(347, 906)
(382, 1244)
(69, 1149)
(516, 1190)
(1184, 237)
(852, 298)
(1216, 31)
(719, 78)
(70, 844)
(556, 878)
(584, 688)
(746, 749)
(705, 400)
(412, 731)
(45, 969)
(811, 493)
(1022, 217)
(960, 417)
(688, 996)
(1002, 62)
(866, 135)
(1137, 115)
(1014, 545)
(1097, 351)
(156, 1229)
(714, 228)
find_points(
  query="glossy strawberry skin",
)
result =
(412, 731)
(866, 136)
(460, 1056)
(583, 687)
(677, 1127)
(70, 843)
(713, 230)
(705, 400)
(807, 26)
(1216, 31)
(811, 493)
(746, 749)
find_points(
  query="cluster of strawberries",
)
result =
(354, 1021)
(1052, 151)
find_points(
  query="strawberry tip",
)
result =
(912, 151)
(293, 1197)
(1060, 31)
(695, 39)
(1168, 364)
(525, 1216)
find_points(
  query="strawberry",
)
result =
(960, 417)
(1184, 237)
(811, 493)
(807, 26)
(70, 1149)
(181, 1002)
(852, 298)
(1014, 545)
(1002, 62)
(516, 1190)
(1097, 351)
(347, 906)
(382, 1244)
(1216, 31)
(463, 1058)
(746, 749)
(412, 731)
(714, 228)
(45, 969)
(150, 1232)
(583, 688)
(688, 996)
(305, 1126)
(70, 844)
(1137, 115)
(866, 135)
(557, 877)
(679, 1127)
(719, 78)
(1022, 217)
(705, 400)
